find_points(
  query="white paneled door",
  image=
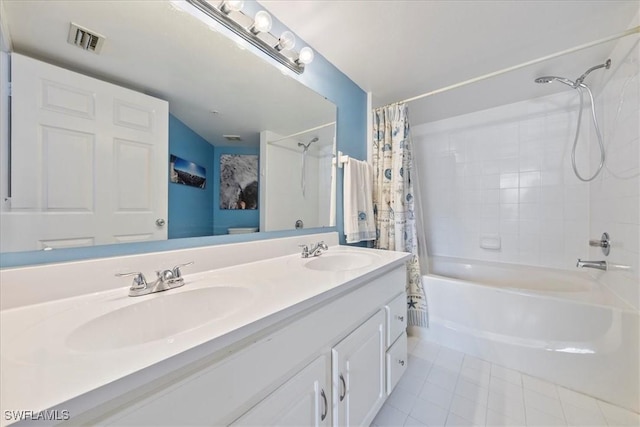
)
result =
(88, 161)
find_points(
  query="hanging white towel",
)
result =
(359, 224)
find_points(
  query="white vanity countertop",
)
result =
(47, 363)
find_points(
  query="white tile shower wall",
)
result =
(505, 172)
(281, 173)
(615, 193)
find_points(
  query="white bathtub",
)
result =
(556, 325)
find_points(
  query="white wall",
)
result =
(615, 195)
(507, 172)
(281, 199)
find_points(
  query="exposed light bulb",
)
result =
(306, 55)
(229, 6)
(287, 41)
(261, 23)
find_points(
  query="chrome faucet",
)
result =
(314, 250)
(600, 265)
(166, 279)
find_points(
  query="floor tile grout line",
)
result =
(564, 417)
(456, 387)
(458, 372)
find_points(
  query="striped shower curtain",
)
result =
(393, 200)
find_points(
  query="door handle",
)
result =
(344, 388)
(160, 222)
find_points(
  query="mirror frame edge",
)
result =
(36, 258)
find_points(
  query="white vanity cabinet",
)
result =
(301, 401)
(326, 365)
(359, 374)
(396, 354)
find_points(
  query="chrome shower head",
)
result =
(545, 79)
(306, 146)
(579, 81)
(550, 79)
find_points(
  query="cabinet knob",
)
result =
(401, 362)
(326, 406)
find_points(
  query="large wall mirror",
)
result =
(250, 148)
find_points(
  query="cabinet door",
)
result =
(396, 311)
(358, 374)
(301, 401)
(396, 362)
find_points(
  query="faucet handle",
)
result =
(165, 275)
(305, 250)
(139, 281)
(176, 270)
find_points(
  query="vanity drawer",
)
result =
(396, 362)
(396, 311)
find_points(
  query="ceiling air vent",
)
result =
(85, 38)
(232, 137)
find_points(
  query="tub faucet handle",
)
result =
(603, 243)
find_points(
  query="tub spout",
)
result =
(600, 265)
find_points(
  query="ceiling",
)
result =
(399, 49)
(393, 49)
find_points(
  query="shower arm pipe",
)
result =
(302, 132)
(634, 30)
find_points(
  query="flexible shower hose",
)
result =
(595, 125)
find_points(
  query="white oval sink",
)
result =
(340, 261)
(156, 317)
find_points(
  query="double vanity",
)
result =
(257, 335)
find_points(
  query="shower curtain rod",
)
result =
(634, 30)
(302, 132)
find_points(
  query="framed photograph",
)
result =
(238, 181)
(183, 171)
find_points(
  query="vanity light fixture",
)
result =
(256, 34)
(261, 23)
(286, 41)
(306, 55)
(229, 6)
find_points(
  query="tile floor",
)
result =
(444, 387)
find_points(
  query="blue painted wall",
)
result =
(225, 218)
(321, 76)
(190, 208)
(195, 212)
